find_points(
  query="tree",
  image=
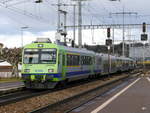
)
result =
(12, 56)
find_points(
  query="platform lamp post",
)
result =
(144, 38)
(22, 33)
(109, 44)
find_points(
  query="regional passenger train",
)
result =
(45, 64)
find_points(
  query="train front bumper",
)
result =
(37, 77)
(42, 77)
(40, 81)
(39, 85)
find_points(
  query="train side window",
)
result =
(68, 60)
(64, 60)
(100, 60)
(90, 60)
(93, 60)
(78, 60)
(73, 60)
(82, 60)
(59, 59)
(87, 60)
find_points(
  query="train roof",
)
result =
(76, 50)
(79, 50)
(70, 49)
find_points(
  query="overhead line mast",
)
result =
(79, 22)
(123, 23)
(105, 26)
(74, 18)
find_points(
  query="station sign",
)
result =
(108, 42)
(144, 37)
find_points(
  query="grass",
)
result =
(4, 80)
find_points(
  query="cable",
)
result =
(93, 15)
(22, 12)
(17, 3)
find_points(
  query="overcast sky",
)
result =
(42, 18)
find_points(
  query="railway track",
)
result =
(49, 99)
(19, 95)
(65, 106)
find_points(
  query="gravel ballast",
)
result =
(29, 105)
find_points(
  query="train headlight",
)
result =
(27, 70)
(50, 70)
(40, 45)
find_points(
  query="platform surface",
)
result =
(130, 97)
(10, 85)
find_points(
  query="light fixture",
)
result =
(38, 1)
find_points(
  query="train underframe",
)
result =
(40, 85)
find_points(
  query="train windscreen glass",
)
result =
(40, 56)
(48, 56)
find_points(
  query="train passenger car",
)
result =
(109, 64)
(119, 64)
(144, 62)
(40, 65)
(79, 63)
(45, 64)
(97, 61)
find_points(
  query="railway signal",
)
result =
(108, 32)
(108, 41)
(144, 27)
(144, 36)
(38, 1)
(109, 44)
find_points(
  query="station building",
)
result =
(5, 69)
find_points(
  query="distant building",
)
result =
(140, 52)
(5, 69)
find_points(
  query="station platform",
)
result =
(130, 97)
(9, 86)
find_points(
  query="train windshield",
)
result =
(48, 56)
(40, 56)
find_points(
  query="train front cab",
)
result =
(41, 68)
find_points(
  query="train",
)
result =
(45, 64)
(143, 62)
